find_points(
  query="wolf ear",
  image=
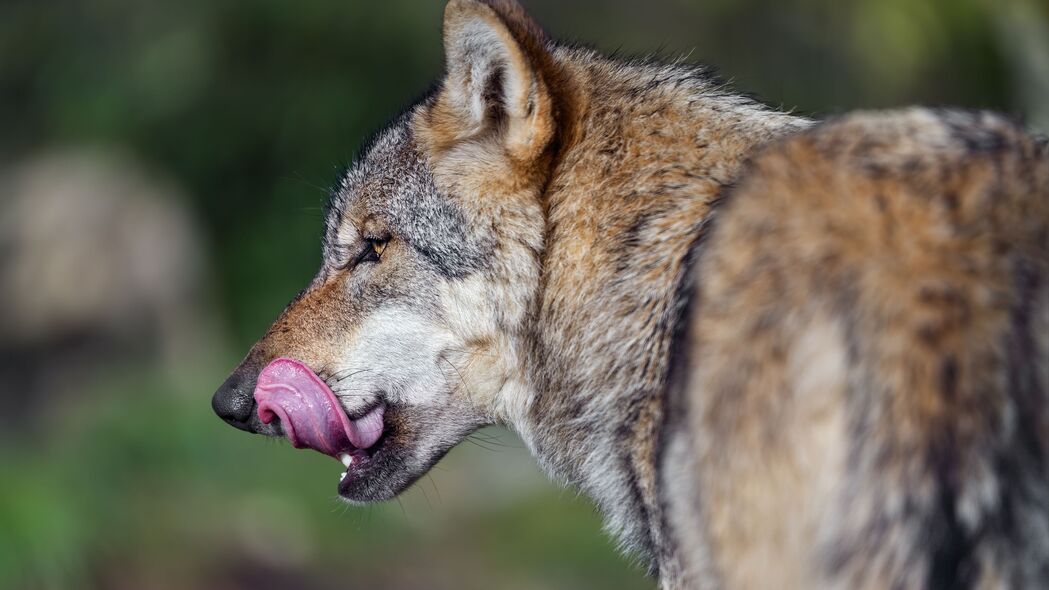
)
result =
(495, 57)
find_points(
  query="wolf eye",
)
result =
(378, 246)
(372, 252)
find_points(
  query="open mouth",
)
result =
(312, 417)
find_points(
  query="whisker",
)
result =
(470, 439)
(426, 496)
(434, 484)
(494, 441)
(469, 393)
(347, 373)
(346, 393)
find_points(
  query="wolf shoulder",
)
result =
(868, 289)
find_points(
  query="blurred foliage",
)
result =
(252, 108)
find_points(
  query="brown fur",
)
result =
(641, 153)
(910, 252)
(775, 354)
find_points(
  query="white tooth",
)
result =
(342, 476)
(346, 459)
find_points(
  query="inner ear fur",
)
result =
(497, 81)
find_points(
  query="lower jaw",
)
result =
(351, 476)
(359, 461)
(353, 460)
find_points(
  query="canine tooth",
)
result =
(346, 459)
(342, 476)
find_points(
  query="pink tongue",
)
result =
(309, 412)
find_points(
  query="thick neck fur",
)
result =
(650, 149)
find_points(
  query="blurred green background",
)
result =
(163, 167)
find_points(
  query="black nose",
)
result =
(234, 401)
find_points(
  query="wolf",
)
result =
(776, 353)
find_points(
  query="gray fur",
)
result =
(669, 370)
(392, 179)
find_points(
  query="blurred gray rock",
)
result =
(101, 267)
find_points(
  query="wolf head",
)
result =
(411, 333)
